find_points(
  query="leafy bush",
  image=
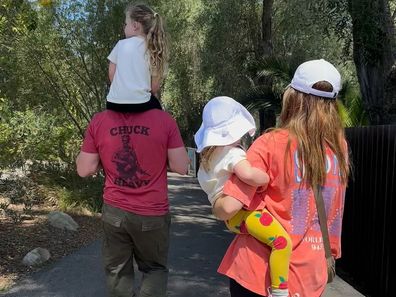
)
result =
(36, 136)
(66, 189)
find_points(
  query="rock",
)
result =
(62, 220)
(36, 257)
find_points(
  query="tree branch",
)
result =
(55, 86)
(86, 114)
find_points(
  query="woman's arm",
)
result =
(226, 207)
(250, 175)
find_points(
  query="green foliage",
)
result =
(374, 57)
(232, 43)
(16, 18)
(272, 75)
(372, 31)
(187, 87)
(315, 29)
(275, 73)
(350, 105)
(67, 189)
(54, 68)
(56, 71)
(25, 136)
(50, 183)
(212, 44)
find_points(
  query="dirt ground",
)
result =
(21, 233)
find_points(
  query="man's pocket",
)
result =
(112, 215)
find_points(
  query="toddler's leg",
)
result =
(237, 223)
(264, 227)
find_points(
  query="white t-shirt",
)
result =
(132, 78)
(221, 165)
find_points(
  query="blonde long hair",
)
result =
(314, 122)
(205, 157)
(153, 28)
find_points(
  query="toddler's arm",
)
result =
(250, 175)
(225, 207)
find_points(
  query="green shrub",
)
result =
(36, 136)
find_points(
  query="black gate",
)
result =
(368, 239)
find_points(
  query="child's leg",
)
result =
(237, 223)
(265, 228)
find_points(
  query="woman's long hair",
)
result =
(315, 123)
(153, 28)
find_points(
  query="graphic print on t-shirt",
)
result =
(131, 174)
(300, 198)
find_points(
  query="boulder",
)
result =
(62, 220)
(36, 257)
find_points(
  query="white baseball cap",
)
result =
(224, 121)
(311, 72)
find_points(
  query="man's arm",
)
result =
(87, 164)
(178, 160)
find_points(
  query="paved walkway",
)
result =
(197, 245)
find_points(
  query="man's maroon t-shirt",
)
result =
(133, 151)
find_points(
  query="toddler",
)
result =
(218, 141)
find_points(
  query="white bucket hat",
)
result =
(224, 121)
(311, 72)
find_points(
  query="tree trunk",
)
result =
(267, 117)
(373, 56)
(390, 95)
(266, 27)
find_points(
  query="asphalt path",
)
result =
(198, 242)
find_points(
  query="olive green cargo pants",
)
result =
(129, 236)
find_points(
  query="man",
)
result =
(134, 150)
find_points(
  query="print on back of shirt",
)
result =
(301, 207)
(131, 174)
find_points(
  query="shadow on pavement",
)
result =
(198, 243)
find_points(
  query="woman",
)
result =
(307, 149)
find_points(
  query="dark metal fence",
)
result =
(369, 240)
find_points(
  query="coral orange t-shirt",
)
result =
(246, 260)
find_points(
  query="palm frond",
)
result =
(278, 70)
(352, 105)
(260, 97)
(344, 114)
